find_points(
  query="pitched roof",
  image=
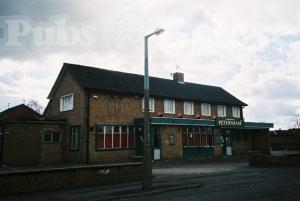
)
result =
(19, 112)
(107, 80)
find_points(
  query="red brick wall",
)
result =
(105, 108)
(24, 145)
(171, 152)
(73, 117)
(123, 109)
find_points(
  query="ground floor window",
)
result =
(115, 137)
(74, 138)
(3, 136)
(197, 137)
(51, 138)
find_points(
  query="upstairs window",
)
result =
(169, 106)
(151, 104)
(188, 108)
(66, 103)
(221, 111)
(205, 109)
(236, 112)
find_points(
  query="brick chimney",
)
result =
(178, 77)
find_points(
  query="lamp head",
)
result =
(159, 31)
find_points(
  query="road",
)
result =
(233, 181)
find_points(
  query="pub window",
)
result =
(169, 106)
(188, 108)
(245, 138)
(197, 137)
(51, 138)
(115, 137)
(236, 112)
(124, 137)
(205, 109)
(221, 111)
(74, 138)
(66, 103)
(131, 139)
(108, 136)
(151, 104)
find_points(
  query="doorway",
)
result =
(156, 143)
(226, 142)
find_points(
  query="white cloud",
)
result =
(225, 43)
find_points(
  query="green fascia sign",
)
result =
(229, 122)
(225, 123)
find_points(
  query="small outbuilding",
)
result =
(27, 139)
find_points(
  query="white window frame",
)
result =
(62, 109)
(238, 112)
(186, 111)
(221, 109)
(166, 101)
(151, 104)
(209, 109)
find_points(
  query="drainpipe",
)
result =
(2, 143)
(88, 129)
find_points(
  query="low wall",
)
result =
(269, 160)
(58, 178)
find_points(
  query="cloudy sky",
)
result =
(249, 47)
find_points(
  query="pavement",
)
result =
(225, 179)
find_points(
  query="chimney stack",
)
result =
(178, 77)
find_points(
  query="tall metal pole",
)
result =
(2, 143)
(147, 159)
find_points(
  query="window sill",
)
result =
(65, 110)
(113, 149)
(198, 146)
(51, 143)
(74, 150)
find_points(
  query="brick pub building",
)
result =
(103, 111)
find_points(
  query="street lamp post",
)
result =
(147, 159)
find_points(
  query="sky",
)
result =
(251, 48)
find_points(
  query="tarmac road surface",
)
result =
(215, 180)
